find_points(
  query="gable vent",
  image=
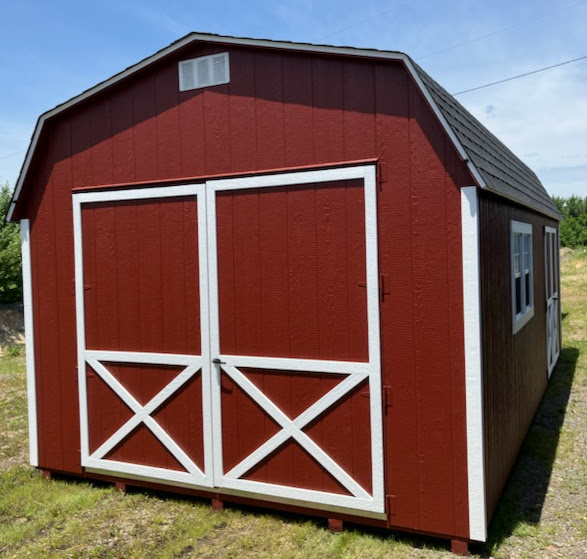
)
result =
(204, 71)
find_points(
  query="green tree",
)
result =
(573, 227)
(10, 256)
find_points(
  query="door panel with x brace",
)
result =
(257, 298)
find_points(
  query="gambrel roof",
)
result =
(503, 172)
(492, 164)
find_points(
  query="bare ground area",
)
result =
(11, 326)
(542, 514)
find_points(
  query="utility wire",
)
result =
(365, 20)
(11, 154)
(496, 32)
(521, 75)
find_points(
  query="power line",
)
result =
(496, 32)
(11, 154)
(365, 20)
(521, 75)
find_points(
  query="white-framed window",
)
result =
(522, 274)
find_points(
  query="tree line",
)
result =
(573, 227)
(573, 233)
(10, 257)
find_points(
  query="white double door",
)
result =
(228, 336)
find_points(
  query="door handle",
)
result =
(217, 361)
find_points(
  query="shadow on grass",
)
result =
(523, 497)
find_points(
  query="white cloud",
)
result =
(542, 118)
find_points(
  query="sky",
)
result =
(52, 51)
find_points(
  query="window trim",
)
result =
(520, 319)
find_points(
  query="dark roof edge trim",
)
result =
(530, 207)
(239, 41)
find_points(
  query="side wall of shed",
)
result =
(283, 109)
(514, 365)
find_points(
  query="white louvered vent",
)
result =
(204, 71)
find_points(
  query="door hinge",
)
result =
(384, 286)
(390, 504)
(387, 397)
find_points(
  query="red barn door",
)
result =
(245, 310)
(142, 336)
(295, 337)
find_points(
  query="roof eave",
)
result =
(553, 215)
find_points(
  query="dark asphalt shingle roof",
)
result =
(504, 173)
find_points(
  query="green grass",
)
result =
(543, 511)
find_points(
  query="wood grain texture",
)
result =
(514, 366)
(290, 261)
(279, 110)
(142, 294)
(431, 318)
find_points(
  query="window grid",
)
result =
(522, 275)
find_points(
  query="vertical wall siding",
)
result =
(280, 110)
(514, 366)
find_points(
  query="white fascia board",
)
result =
(237, 41)
(473, 363)
(450, 132)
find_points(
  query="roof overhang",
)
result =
(243, 42)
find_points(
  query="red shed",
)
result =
(286, 274)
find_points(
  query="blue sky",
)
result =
(51, 51)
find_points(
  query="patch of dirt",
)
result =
(11, 325)
(566, 253)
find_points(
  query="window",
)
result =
(522, 274)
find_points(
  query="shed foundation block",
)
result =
(459, 547)
(335, 525)
(217, 504)
(47, 475)
(121, 487)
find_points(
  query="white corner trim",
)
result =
(27, 292)
(473, 363)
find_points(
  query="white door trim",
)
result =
(359, 500)
(193, 364)
(552, 291)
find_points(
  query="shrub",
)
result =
(573, 227)
(10, 257)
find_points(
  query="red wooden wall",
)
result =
(282, 109)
